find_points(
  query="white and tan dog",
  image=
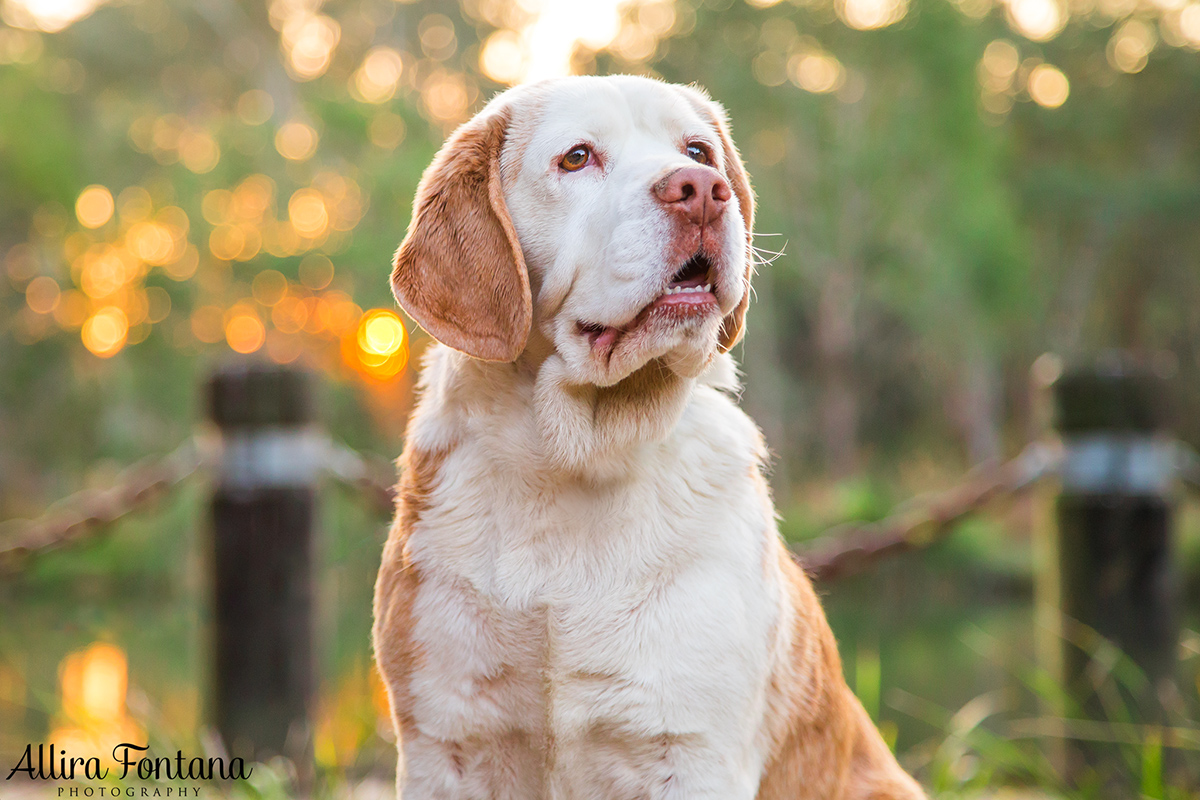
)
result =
(584, 594)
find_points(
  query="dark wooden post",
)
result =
(1113, 551)
(262, 560)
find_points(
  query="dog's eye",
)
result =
(576, 159)
(698, 154)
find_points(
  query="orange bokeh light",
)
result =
(378, 347)
(104, 332)
(244, 332)
(94, 207)
(94, 684)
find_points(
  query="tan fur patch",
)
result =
(459, 272)
(396, 654)
(824, 746)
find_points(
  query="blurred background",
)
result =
(956, 199)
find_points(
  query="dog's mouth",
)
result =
(689, 293)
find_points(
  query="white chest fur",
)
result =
(596, 638)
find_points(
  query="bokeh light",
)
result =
(1038, 20)
(104, 332)
(1130, 47)
(378, 78)
(503, 57)
(296, 141)
(93, 686)
(1048, 86)
(378, 346)
(816, 72)
(42, 294)
(244, 331)
(870, 14)
(94, 207)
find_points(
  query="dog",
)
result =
(584, 593)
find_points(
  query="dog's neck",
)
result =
(568, 429)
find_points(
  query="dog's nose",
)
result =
(697, 193)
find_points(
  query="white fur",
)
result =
(600, 605)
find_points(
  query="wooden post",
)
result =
(1113, 550)
(262, 560)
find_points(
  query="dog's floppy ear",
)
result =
(735, 321)
(459, 272)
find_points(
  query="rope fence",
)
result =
(924, 521)
(85, 514)
(842, 551)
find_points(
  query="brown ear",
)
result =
(459, 272)
(735, 321)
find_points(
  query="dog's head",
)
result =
(611, 213)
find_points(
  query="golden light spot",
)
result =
(134, 204)
(136, 308)
(436, 33)
(1048, 86)
(445, 96)
(296, 141)
(316, 271)
(1189, 23)
(998, 65)
(635, 43)
(215, 206)
(185, 266)
(1130, 47)
(338, 313)
(659, 16)
(818, 73)
(379, 76)
(94, 207)
(42, 294)
(151, 242)
(105, 269)
(137, 334)
(208, 324)
(770, 68)
(158, 304)
(104, 332)
(386, 130)
(282, 348)
(44, 15)
(244, 332)
(21, 263)
(315, 314)
(252, 198)
(290, 314)
(198, 151)
(503, 57)
(1038, 20)
(379, 346)
(251, 242)
(870, 14)
(226, 242)
(72, 310)
(269, 287)
(93, 686)
(309, 40)
(255, 107)
(307, 213)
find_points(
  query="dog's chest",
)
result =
(574, 613)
